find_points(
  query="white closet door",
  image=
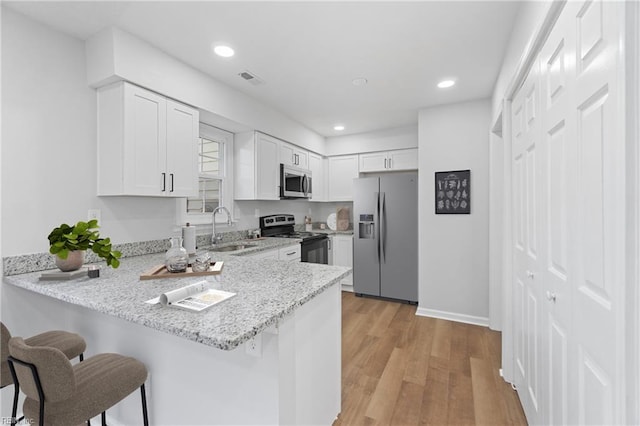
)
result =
(558, 171)
(569, 222)
(598, 304)
(526, 222)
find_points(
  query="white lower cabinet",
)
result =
(292, 252)
(342, 248)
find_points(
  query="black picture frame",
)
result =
(453, 192)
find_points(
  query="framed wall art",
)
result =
(453, 192)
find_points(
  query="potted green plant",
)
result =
(68, 244)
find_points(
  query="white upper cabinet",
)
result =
(317, 165)
(291, 155)
(387, 161)
(147, 144)
(257, 167)
(341, 172)
(182, 156)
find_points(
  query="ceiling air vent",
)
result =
(251, 78)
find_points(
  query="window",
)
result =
(215, 170)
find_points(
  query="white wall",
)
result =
(49, 145)
(380, 140)
(454, 249)
(114, 54)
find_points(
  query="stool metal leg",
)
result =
(16, 392)
(103, 417)
(14, 410)
(145, 415)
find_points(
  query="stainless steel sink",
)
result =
(233, 247)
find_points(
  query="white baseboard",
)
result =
(452, 316)
(347, 287)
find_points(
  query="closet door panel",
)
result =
(599, 238)
(526, 222)
(559, 170)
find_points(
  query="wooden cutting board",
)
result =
(342, 219)
(160, 271)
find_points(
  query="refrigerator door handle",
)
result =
(377, 234)
(383, 227)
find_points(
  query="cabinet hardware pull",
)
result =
(289, 254)
(164, 182)
(171, 182)
(389, 162)
(385, 163)
(551, 297)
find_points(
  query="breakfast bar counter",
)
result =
(268, 355)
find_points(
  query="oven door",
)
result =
(294, 183)
(315, 250)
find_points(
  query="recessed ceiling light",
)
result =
(446, 83)
(339, 127)
(360, 81)
(224, 51)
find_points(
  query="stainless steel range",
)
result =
(314, 246)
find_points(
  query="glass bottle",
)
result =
(176, 258)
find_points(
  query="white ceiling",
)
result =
(308, 53)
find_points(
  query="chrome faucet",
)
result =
(214, 238)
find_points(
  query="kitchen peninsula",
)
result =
(269, 355)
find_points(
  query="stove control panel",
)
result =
(277, 220)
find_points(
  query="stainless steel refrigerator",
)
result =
(385, 244)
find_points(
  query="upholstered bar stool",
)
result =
(59, 393)
(71, 344)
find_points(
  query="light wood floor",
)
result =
(402, 369)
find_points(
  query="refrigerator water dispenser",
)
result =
(366, 227)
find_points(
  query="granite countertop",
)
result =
(256, 246)
(266, 291)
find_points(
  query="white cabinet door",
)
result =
(317, 166)
(287, 155)
(290, 253)
(144, 142)
(373, 162)
(267, 168)
(403, 159)
(182, 150)
(386, 161)
(256, 171)
(147, 144)
(341, 172)
(343, 254)
(291, 155)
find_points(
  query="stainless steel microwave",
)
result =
(294, 182)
